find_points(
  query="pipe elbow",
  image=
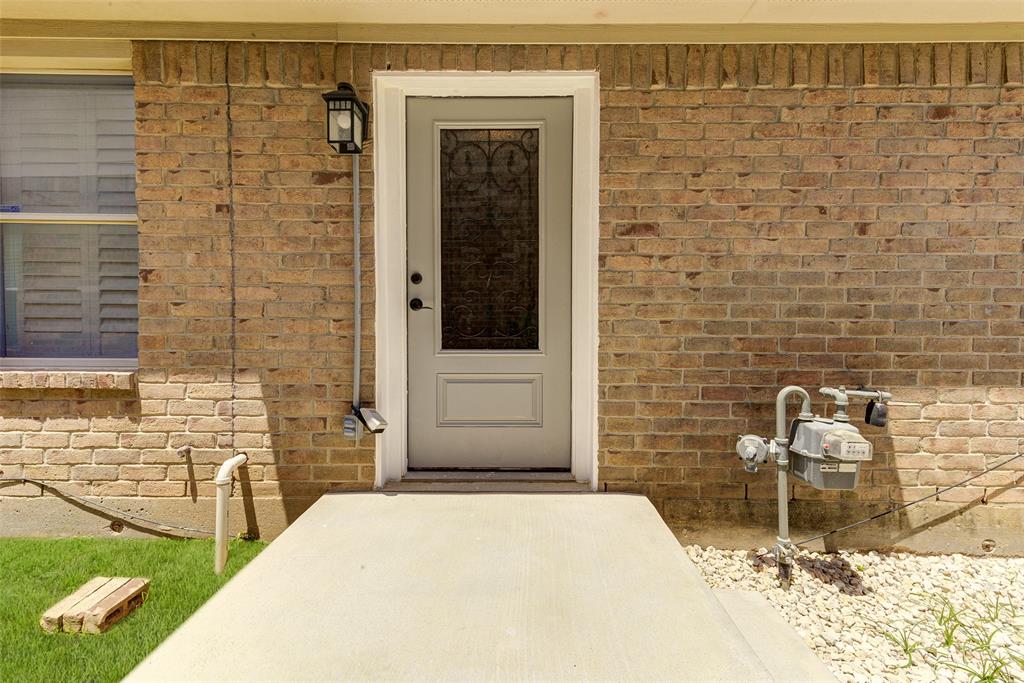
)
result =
(794, 389)
(227, 470)
(836, 394)
(780, 408)
(780, 401)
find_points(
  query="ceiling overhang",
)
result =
(525, 12)
(94, 35)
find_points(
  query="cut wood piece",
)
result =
(115, 606)
(52, 618)
(75, 615)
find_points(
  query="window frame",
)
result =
(22, 363)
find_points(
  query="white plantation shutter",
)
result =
(76, 290)
(67, 146)
(52, 301)
(70, 267)
(117, 290)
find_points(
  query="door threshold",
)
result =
(435, 486)
(488, 481)
(487, 475)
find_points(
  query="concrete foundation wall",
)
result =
(770, 215)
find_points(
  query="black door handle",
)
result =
(417, 305)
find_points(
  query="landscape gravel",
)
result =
(878, 617)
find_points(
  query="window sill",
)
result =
(92, 380)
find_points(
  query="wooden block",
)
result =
(52, 618)
(115, 606)
(75, 615)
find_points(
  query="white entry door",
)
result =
(489, 282)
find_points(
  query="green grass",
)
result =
(36, 573)
(977, 640)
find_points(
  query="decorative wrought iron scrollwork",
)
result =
(490, 239)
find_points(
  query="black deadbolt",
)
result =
(416, 278)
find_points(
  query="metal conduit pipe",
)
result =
(357, 287)
(223, 482)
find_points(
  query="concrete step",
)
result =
(779, 647)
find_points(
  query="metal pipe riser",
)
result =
(784, 547)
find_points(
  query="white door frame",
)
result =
(390, 89)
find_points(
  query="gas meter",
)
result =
(824, 452)
(827, 454)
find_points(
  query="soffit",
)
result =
(516, 12)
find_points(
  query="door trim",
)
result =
(390, 90)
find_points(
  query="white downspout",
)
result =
(223, 482)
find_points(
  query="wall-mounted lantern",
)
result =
(346, 120)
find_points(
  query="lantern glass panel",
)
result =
(357, 131)
(340, 127)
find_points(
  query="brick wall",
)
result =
(770, 215)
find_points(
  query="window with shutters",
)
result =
(69, 255)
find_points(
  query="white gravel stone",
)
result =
(861, 612)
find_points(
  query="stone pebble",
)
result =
(854, 609)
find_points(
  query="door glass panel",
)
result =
(490, 239)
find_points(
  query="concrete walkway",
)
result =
(464, 587)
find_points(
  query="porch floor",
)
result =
(464, 587)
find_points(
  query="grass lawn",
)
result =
(36, 573)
